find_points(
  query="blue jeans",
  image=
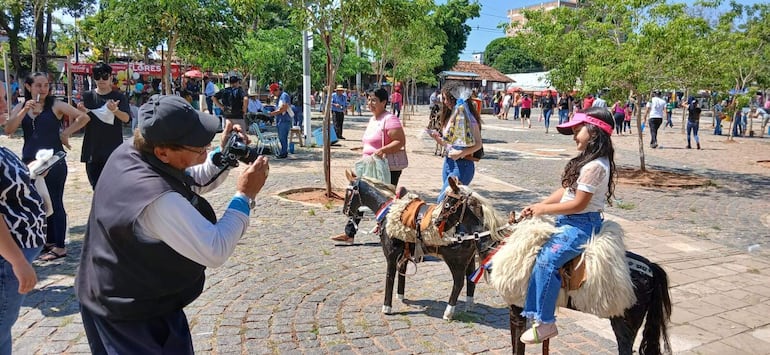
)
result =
(564, 245)
(718, 126)
(692, 127)
(516, 112)
(283, 135)
(563, 115)
(10, 298)
(462, 168)
(210, 104)
(397, 109)
(547, 118)
(669, 122)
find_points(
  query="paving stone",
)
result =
(287, 289)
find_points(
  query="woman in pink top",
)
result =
(526, 110)
(619, 114)
(396, 99)
(383, 135)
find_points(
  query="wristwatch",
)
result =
(252, 203)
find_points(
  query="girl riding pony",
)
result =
(586, 184)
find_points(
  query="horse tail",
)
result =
(658, 314)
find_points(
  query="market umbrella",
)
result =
(195, 73)
(513, 89)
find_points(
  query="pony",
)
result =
(462, 234)
(645, 298)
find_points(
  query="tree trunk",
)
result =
(639, 130)
(167, 63)
(327, 113)
(684, 111)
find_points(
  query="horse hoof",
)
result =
(449, 312)
(400, 297)
(469, 304)
(387, 309)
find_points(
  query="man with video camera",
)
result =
(150, 236)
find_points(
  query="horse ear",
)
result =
(350, 175)
(453, 182)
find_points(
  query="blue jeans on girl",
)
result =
(692, 127)
(563, 115)
(10, 298)
(564, 245)
(461, 168)
(547, 118)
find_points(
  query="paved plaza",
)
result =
(288, 289)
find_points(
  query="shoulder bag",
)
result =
(396, 161)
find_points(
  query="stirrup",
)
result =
(409, 271)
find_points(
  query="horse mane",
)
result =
(493, 219)
(387, 189)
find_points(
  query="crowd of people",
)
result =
(129, 305)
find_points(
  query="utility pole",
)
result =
(307, 111)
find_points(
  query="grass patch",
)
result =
(361, 322)
(753, 271)
(716, 228)
(693, 209)
(467, 318)
(311, 212)
(624, 205)
(326, 252)
(329, 205)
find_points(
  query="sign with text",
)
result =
(136, 67)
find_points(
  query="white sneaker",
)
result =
(539, 332)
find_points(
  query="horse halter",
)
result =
(350, 192)
(448, 209)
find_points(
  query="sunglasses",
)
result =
(103, 76)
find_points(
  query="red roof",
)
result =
(485, 72)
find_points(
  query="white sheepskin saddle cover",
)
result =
(607, 290)
(396, 229)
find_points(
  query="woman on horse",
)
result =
(586, 184)
(460, 134)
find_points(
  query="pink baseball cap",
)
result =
(581, 118)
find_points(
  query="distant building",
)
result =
(477, 76)
(478, 57)
(518, 20)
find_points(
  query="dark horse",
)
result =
(459, 255)
(650, 288)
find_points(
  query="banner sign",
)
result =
(135, 67)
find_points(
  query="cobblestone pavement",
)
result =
(288, 289)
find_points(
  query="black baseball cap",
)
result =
(170, 119)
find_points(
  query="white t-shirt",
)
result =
(657, 106)
(507, 101)
(594, 178)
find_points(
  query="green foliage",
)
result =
(450, 18)
(509, 55)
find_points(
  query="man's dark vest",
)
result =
(122, 277)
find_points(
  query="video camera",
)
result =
(234, 150)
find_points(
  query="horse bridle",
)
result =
(350, 192)
(447, 210)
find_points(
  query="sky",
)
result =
(484, 28)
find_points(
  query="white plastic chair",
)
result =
(264, 140)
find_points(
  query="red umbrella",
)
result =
(513, 89)
(195, 73)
